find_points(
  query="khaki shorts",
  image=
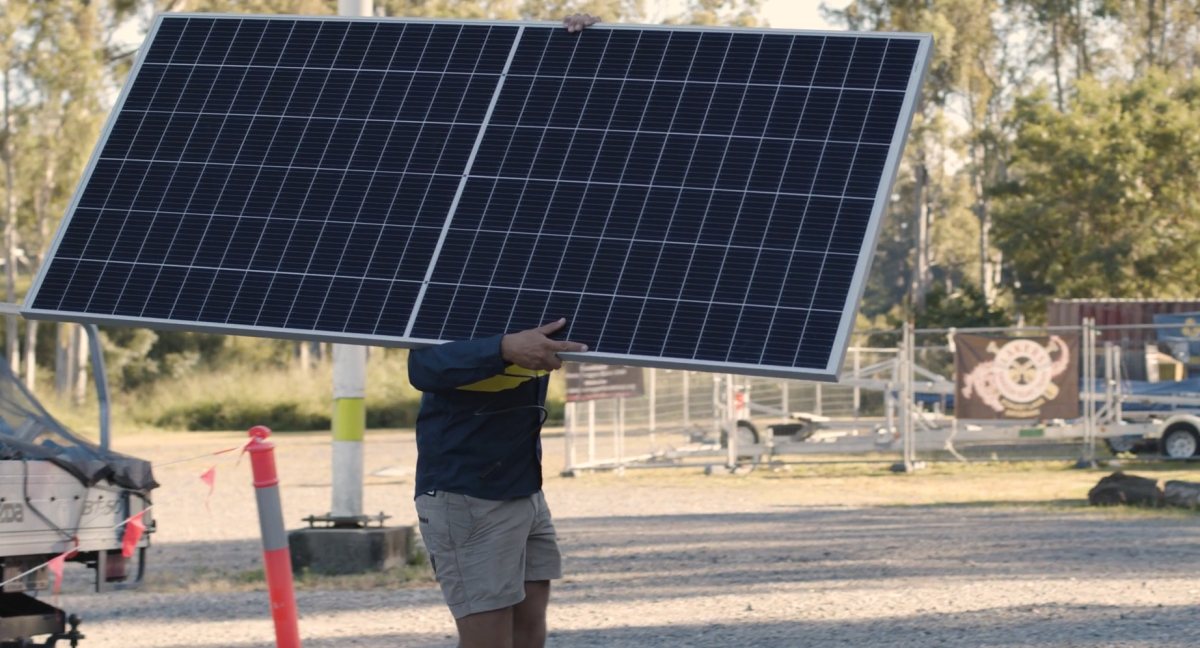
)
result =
(483, 551)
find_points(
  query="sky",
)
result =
(797, 14)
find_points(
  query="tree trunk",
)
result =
(31, 329)
(80, 374)
(1083, 58)
(920, 276)
(11, 324)
(1151, 26)
(302, 354)
(987, 278)
(1055, 43)
(62, 359)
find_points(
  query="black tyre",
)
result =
(1126, 443)
(747, 435)
(1180, 442)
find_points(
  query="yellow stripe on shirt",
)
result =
(512, 377)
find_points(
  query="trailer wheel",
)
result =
(1180, 442)
(1124, 443)
(747, 434)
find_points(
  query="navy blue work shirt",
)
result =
(479, 426)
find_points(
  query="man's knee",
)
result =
(529, 616)
(491, 629)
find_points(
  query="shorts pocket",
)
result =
(460, 523)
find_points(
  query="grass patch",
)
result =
(210, 581)
(1048, 485)
(240, 395)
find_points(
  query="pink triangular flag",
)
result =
(209, 477)
(56, 566)
(133, 533)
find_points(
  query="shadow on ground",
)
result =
(1035, 627)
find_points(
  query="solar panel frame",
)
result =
(846, 321)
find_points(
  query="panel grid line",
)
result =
(821, 270)
(524, 189)
(671, 219)
(737, 213)
(141, 184)
(229, 176)
(462, 184)
(375, 248)
(253, 185)
(691, 160)
(624, 169)
(196, 188)
(108, 197)
(341, 183)
(308, 193)
(408, 163)
(467, 175)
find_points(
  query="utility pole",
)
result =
(345, 543)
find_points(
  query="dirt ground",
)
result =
(984, 556)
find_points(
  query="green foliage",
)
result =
(241, 415)
(1101, 198)
(965, 307)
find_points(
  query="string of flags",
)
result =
(135, 528)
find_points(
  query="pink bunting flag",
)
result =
(134, 528)
(209, 477)
(56, 566)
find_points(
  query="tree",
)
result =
(964, 307)
(1101, 198)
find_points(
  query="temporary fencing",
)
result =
(1075, 392)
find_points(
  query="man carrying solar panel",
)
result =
(479, 497)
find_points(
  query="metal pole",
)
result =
(1091, 436)
(356, 7)
(687, 403)
(349, 390)
(101, 383)
(591, 432)
(906, 398)
(1084, 390)
(277, 559)
(653, 406)
(783, 400)
(731, 423)
(349, 427)
(569, 439)
(856, 354)
(620, 436)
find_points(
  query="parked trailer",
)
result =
(62, 496)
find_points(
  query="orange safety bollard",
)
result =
(277, 559)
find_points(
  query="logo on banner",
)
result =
(1190, 328)
(1016, 378)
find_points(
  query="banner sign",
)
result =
(1016, 378)
(1182, 334)
(589, 381)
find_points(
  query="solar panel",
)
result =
(694, 198)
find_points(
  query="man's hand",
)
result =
(576, 23)
(533, 349)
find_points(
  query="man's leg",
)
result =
(529, 616)
(493, 629)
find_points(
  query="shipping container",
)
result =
(1118, 312)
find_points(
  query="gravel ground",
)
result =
(675, 558)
